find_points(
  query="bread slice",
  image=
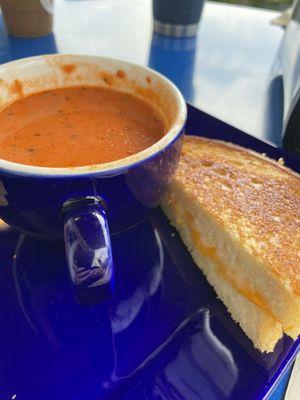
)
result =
(238, 213)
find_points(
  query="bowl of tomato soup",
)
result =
(88, 146)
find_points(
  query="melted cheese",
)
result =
(212, 254)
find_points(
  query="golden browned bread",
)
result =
(238, 212)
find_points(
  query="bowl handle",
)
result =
(88, 248)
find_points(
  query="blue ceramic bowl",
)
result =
(83, 202)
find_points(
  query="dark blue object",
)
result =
(178, 18)
(163, 336)
(181, 12)
(88, 204)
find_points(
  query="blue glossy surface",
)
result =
(163, 336)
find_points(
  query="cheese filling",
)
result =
(211, 253)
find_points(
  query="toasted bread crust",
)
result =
(254, 198)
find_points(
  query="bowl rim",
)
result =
(114, 167)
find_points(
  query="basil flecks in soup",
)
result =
(77, 126)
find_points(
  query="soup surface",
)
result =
(77, 126)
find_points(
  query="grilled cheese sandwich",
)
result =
(238, 213)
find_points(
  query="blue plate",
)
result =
(163, 336)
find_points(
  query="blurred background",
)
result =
(269, 4)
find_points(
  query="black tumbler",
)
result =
(289, 59)
(179, 18)
(291, 127)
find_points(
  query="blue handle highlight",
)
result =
(88, 249)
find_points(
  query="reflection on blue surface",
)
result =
(163, 336)
(281, 388)
(187, 370)
(175, 58)
(13, 48)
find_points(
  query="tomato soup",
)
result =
(77, 126)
